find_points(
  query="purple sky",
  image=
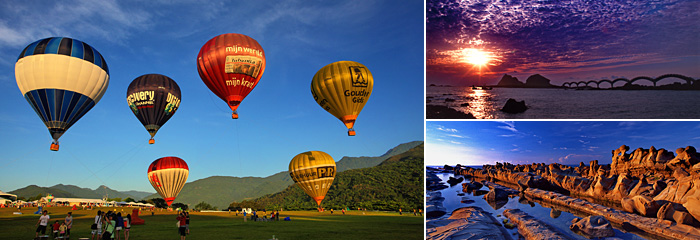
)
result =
(563, 40)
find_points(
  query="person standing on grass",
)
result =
(119, 226)
(187, 222)
(69, 223)
(42, 223)
(98, 224)
(110, 224)
(400, 212)
(127, 226)
(183, 226)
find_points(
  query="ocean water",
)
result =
(561, 222)
(547, 103)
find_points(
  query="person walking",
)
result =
(69, 223)
(400, 212)
(42, 223)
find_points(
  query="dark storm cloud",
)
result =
(564, 35)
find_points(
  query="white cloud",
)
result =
(444, 129)
(510, 126)
(457, 136)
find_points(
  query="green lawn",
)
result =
(305, 225)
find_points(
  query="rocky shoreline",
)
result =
(649, 190)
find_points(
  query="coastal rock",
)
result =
(496, 195)
(643, 205)
(530, 227)
(466, 223)
(675, 212)
(593, 226)
(433, 205)
(454, 181)
(444, 112)
(537, 81)
(466, 187)
(554, 213)
(509, 81)
(513, 106)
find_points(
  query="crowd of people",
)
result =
(59, 229)
(110, 225)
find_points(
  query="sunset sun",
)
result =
(475, 57)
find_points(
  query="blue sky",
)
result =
(566, 142)
(278, 120)
(562, 40)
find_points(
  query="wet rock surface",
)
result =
(466, 223)
(638, 182)
(531, 228)
(592, 227)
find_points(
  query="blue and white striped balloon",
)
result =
(62, 79)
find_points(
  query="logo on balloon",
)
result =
(358, 75)
(324, 172)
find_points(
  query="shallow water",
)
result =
(561, 223)
(546, 103)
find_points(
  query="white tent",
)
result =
(8, 196)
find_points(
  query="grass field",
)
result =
(305, 225)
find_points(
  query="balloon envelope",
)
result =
(62, 79)
(342, 88)
(168, 175)
(153, 98)
(313, 172)
(231, 65)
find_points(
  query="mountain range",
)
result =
(219, 191)
(396, 183)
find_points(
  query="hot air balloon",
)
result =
(62, 79)
(342, 88)
(168, 175)
(314, 172)
(153, 98)
(231, 65)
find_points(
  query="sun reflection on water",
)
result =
(478, 103)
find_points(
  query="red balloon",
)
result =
(231, 65)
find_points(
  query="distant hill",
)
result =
(395, 183)
(220, 191)
(70, 191)
(347, 163)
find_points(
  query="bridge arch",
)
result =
(605, 81)
(592, 81)
(688, 80)
(581, 84)
(625, 80)
(652, 80)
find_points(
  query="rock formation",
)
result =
(466, 223)
(509, 81)
(530, 227)
(537, 81)
(593, 227)
(643, 182)
(513, 106)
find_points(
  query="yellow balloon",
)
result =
(342, 88)
(313, 172)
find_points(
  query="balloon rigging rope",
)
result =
(81, 163)
(140, 147)
(48, 172)
(107, 165)
(14, 160)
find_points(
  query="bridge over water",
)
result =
(688, 80)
